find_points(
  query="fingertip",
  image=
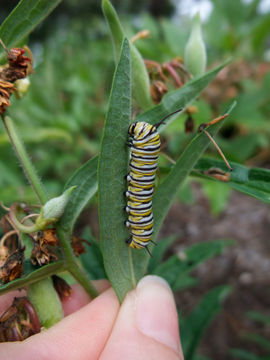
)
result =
(147, 324)
(7, 299)
(156, 314)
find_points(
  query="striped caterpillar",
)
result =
(145, 146)
(144, 142)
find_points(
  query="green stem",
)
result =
(24, 159)
(46, 302)
(72, 265)
(27, 229)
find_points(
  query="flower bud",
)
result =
(53, 209)
(195, 52)
(22, 86)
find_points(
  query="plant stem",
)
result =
(72, 265)
(24, 159)
(46, 302)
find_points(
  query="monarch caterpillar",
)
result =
(144, 142)
(145, 146)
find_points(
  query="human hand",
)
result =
(144, 327)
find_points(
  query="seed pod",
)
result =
(195, 53)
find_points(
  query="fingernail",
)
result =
(156, 314)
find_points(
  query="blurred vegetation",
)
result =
(66, 104)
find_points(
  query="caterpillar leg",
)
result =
(146, 248)
(127, 223)
(129, 241)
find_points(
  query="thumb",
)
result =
(147, 324)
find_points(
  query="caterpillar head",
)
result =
(137, 128)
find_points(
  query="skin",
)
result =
(144, 327)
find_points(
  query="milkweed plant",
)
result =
(38, 249)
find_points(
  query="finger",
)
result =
(79, 296)
(79, 336)
(7, 299)
(147, 325)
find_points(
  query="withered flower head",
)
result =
(6, 88)
(62, 287)
(77, 245)
(49, 237)
(158, 90)
(42, 254)
(18, 67)
(13, 266)
(19, 321)
(16, 57)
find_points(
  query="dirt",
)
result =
(245, 266)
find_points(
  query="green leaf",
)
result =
(259, 317)
(116, 28)
(218, 194)
(165, 193)
(185, 281)
(159, 251)
(175, 269)
(85, 178)
(140, 77)
(201, 357)
(92, 260)
(194, 325)
(259, 340)
(31, 275)
(254, 182)
(23, 19)
(246, 355)
(112, 168)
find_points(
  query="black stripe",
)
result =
(150, 218)
(145, 148)
(143, 235)
(145, 243)
(142, 130)
(144, 208)
(150, 168)
(140, 195)
(150, 132)
(145, 181)
(145, 157)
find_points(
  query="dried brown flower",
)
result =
(18, 67)
(19, 321)
(158, 90)
(13, 266)
(42, 253)
(77, 245)
(62, 287)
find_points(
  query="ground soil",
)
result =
(245, 266)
